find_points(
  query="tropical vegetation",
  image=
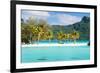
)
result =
(33, 31)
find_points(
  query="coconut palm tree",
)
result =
(30, 24)
(49, 35)
(60, 36)
(45, 30)
(66, 36)
(75, 35)
(40, 32)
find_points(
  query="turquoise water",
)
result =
(54, 53)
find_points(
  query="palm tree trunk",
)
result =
(38, 37)
(30, 39)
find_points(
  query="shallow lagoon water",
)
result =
(54, 53)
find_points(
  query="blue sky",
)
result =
(54, 18)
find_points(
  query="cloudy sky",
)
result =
(54, 18)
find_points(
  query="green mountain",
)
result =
(83, 27)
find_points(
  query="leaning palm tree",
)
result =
(26, 33)
(75, 35)
(44, 30)
(49, 35)
(31, 23)
(60, 36)
(35, 32)
(66, 36)
(38, 32)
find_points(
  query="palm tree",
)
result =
(26, 33)
(40, 32)
(31, 23)
(75, 35)
(60, 36)
(44, 30)
(49, 35)
(66, 36)
(34, 32)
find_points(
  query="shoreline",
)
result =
(70, 44)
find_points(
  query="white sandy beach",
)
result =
(71, 44)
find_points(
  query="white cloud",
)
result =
(35, 14)
(40, 13)
(67, 19)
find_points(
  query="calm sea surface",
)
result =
(54, 53)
